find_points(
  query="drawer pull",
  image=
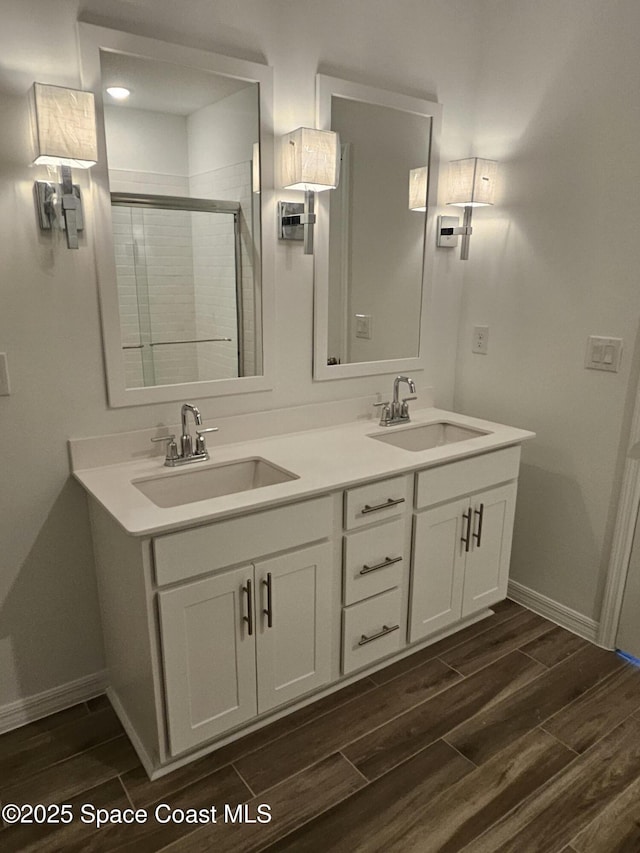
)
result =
(249, 617)
(268, 612)
(385, 630)
(388, 561)
(478, 536)
(389, 502)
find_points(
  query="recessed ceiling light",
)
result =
(118, 92)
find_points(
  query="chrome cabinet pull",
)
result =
(466, 539)
(480, 513)
(248, 589)
(268, 612)
(385, 630)
(389, 502)
(388, 561)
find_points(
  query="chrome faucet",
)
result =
(187, 452)
(397, 411)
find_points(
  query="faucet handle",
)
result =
(385, 413)
(201, 446)
(172, 447)
(404, 407)
(168, 438)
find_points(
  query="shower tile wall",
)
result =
(216, 306)
(160, 303)
(180, 249)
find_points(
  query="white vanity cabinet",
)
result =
(462, 539)
(244, 641)
(217, 623)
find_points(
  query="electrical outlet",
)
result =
(480, 340)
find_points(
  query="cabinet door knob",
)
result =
(248, 589)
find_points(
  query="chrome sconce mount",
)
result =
(294, 219)
(59, 205)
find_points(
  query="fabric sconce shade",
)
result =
(64, 127)
(418, 188)
(472, 182)
(310, 160)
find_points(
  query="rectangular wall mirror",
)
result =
(180, 191)
(371, 263)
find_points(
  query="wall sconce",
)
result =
(310, 162)
(64, 130)
(471, 184)
(418, 188)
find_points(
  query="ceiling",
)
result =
(164, 86)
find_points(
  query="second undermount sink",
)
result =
(184, 487)
(427, 436)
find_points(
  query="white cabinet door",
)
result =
(487, 567)
(209, 657)
(438, 568)
(293, 607)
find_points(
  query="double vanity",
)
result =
(238, 589)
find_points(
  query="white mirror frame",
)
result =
(92, 39)
(325, 88)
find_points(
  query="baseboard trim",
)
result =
(562, 615)
(23, 711)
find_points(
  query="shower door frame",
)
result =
(199, 205)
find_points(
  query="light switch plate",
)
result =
(5, 387)
(363, 326)
(603, 353)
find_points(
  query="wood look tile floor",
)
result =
(512, 735)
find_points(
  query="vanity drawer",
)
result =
(371, 630)
(446, 482)
(373, 560)
(189, 553)
(375, 502)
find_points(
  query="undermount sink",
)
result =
(427, 436)
(184, 487)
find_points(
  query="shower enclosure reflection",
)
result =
(187, 311)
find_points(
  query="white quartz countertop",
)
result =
(324, 460)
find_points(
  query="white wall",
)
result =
(208, 148)
(555, 261)
(145, 141)
(49, 322)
